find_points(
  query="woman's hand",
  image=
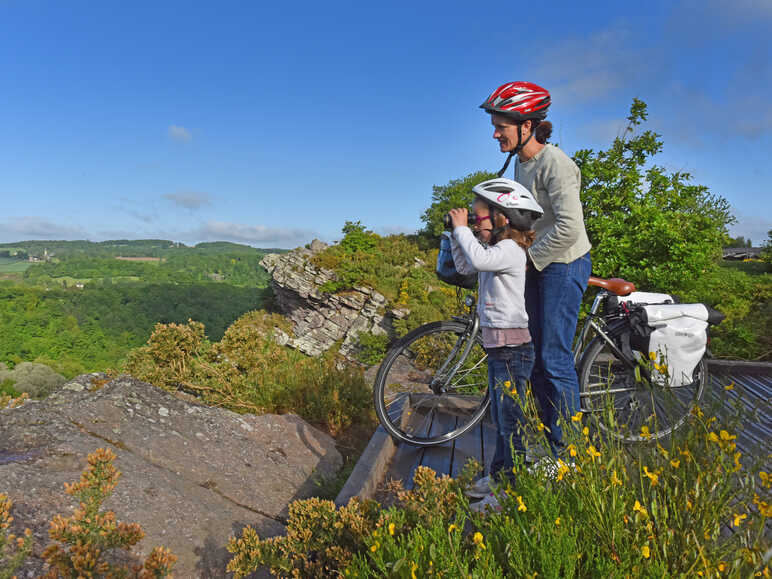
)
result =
(459, 217)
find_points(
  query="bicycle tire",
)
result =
(661, 408)
(405, 403)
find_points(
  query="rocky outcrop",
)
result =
(321, 319)
(192, 475)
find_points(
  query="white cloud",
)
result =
(581, 69)
(394, 230)
(189, 199)
(258, 234)
(753, 228)
(179, 134)
(34, 227)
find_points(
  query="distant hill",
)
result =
(126, 248)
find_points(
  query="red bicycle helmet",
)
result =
(519, 101)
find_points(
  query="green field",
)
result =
(10, 265)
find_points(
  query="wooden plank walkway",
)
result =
(752, 390)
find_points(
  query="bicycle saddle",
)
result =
(615, 285)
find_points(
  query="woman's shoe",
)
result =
(480, 488)
(490, 502)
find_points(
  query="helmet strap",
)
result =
(518, 148)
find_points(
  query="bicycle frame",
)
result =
(591, 323)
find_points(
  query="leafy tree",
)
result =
(738, 242)
(766, 253)
(647, 225)
(457, 193)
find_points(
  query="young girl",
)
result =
(501, 307)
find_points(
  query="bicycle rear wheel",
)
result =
(607, 383)
(432, 385)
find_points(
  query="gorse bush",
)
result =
(85, 542)
(247, 371)
(692, 507)
(321, 540)
(13, 550)
(82, 541)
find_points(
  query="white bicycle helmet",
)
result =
(512, 199)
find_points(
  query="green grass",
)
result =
(10, 265)
(749, 267)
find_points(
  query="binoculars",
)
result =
(471, 220)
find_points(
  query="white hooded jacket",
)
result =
(501, 275)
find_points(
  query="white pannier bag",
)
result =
(648, 298)
(677, 339)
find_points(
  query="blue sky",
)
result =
(272, 123)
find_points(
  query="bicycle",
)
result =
(432, 385)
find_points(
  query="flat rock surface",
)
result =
(191, 475)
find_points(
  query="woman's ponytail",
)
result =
(542, 132)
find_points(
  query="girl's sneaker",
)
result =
(489, 502)
(480, 488)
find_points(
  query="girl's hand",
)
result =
(459, 217)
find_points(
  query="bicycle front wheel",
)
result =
(627, 402)
(432, 385)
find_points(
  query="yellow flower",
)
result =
(675, 463)
(766, 480)
(645, 552)
(557, 522)
(726, 437)
(697, 411)
(637, 507)
(653, 476)
(572, 450)
(652, 356)
(592, 451)
(645, 434)
(615, 480)
(685, 453)
(626, 519)
(712, 436)
(577, 417)
(562, 470)
(540, 427)
(689, 505)
(413, 568)
(392, 526)
(452, 528)
(738, 519)
(374, 547)
(508, 385)
(478, 540)
(730, 386)
(737, 464)
(375, 533)
(586, 431)
(520, 504)
(721, 567)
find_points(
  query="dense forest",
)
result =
(80, 306)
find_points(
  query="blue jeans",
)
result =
(513, 364)
(552, 300)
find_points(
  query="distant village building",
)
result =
(45, 257)
(740, 253)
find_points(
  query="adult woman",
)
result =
(559, 259)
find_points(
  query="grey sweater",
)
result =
(501, 269)
(554, 179)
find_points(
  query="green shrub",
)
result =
(692, 507)
(371, 348)
(37, 380)
(247, 371)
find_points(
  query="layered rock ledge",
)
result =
(191, 475)
(321, 319)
